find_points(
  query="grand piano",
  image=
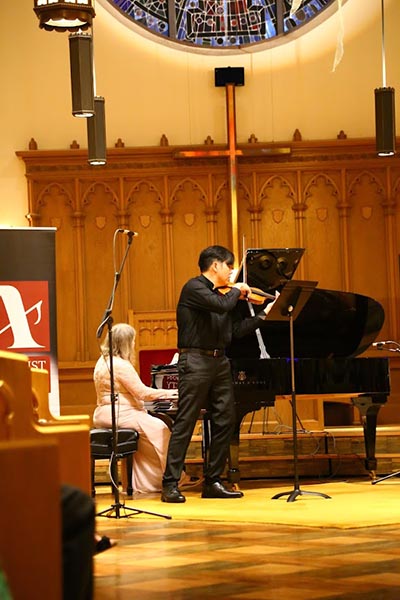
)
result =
(332, 329)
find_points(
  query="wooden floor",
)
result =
(159, 559)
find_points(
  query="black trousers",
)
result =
(204, 382)
(78, 526)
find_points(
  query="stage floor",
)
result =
(184, 559)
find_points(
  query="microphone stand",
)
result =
(391, 346)
(114, 511)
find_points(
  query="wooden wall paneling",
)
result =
(299, 208)
(310, 413)
(367, 236)
(211, 211)
(389, 208)
(278, 222)
(40, 389)
(154, 330)
(169, 271)
(189, 205)
(245, 204)
(77, 391)
(219, 210)
(55, 204)
(150, 259)
(100, 208)
(390, 411)
(255, 211)
(126, 247)
(79, 255)
(322, 229)
(344, 210)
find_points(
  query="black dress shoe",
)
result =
(217, 490)
(172, 494)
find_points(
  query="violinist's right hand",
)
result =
(244, 289)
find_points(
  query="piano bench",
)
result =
(101, 447)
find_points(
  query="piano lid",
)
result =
(331, 324)
(270, 269)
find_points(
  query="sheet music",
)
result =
(263, 350)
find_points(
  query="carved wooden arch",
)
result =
(115, 200)
(247, 196)
(396, 191)
(224, 187)
(179, 187)
(135, 188)
(63, 190)
(313, 182)
(372, 179)
(268, 184)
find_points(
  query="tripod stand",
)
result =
(391, 346)
(115, 510)
(288, 306)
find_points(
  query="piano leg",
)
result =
(368, 407)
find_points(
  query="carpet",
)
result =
(351, 505)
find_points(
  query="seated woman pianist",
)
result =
(130, 412)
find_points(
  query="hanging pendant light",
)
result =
(82, 78)
(385, 122)
(96, 133)
(70, 15)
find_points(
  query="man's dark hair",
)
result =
(208, 255)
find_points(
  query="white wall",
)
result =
(153, 89)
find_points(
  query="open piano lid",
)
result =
(270, 269)
(331, 324)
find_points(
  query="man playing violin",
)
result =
(207, 322)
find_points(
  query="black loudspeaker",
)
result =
(385, 125)
(96, 133)
(226, 75)
(82, 77)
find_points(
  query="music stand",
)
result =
(290, 303)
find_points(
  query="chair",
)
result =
(101, 448)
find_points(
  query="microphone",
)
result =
(128, 232)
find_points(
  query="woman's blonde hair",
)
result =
(123, 337)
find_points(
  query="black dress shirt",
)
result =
(207, 319)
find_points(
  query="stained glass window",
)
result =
(219, 23)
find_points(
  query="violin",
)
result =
(255, 296)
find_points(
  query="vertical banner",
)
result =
(28, 320)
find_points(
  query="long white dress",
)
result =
(150, 457)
